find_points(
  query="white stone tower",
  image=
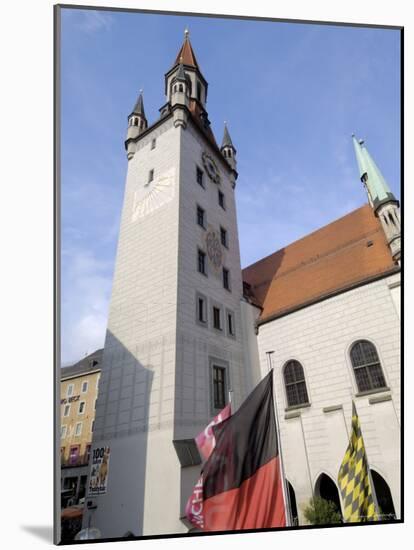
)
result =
(173, 350)
(381, 199)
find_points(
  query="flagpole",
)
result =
(285, 489)
(374, 494)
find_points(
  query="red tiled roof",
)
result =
(332, 258)
(186, 55)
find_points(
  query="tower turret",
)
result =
(382, 200)
(228, 149)
(137, 123)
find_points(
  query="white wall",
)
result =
(319, 337)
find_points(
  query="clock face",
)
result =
(214, 251)
(153, 195)
(211, 168)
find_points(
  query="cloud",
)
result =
(93, 21)
(86, 287)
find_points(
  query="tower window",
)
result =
(217, 318)
(201, 217)
(226, 278)
(153, 143)
(198, 91)
(202, 262)
(391, 218)
(180, 88)
(199, 174)
(230, 324)
(201, 310)
(135, 122)
(223, 237)
(295, 384)
(221, 199)
(150, 175)
(219, 387)
(367, 366)
(385, 219)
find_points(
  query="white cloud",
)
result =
(93, 21)
(86, 287)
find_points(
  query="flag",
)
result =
(205, 442)
(354, 479)
(242, 481)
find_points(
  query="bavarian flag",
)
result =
(242, 481)
(354, 480)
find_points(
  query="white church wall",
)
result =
(319, 337)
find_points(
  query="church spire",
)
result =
(369, 173)
(137, 122)
(227, 148)
(382, 200)
(186, 54)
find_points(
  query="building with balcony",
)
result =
(78, 394)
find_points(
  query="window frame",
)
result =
(204, 255)
(84, 407)
(225, 233)
(87, 386)
(221, 199)
(368, 366)
(230, 313)
(71, 387)
(226, 279)
(76, 434)
(214, 308)
(66, 406)
(201, 214)
(298, 404)
(221, 363)
(200, 172)
(63, 431)
(203, 323)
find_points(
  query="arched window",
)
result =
(295, 384)
(367, 366)
(326, 489)
(180, 88)
(384, 496)
(292, 503)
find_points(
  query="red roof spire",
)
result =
(186, 53)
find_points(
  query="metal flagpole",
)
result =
(374, 494)
(284, 487)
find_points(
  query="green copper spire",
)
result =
(370, 174)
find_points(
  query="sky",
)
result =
(292, 95)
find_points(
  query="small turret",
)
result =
(227, 148)
(137, 123)
(382, 200)
(180, 87)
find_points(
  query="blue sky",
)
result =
(292, 95)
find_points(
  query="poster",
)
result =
(98, 479)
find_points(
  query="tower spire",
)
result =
(137, 122)
(227, 148)
(381, 199)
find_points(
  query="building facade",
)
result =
(79, 391)
(188, 330)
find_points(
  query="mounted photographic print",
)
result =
(229, 229)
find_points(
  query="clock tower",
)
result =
(173, 352)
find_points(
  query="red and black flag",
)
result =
(242, 479)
